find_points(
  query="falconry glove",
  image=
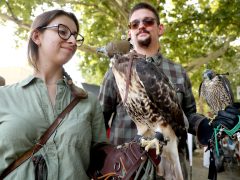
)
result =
(228, 118)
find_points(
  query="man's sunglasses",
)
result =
(147, 22)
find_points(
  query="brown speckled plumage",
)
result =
(151, 97)
(216, 90)
(152, 104)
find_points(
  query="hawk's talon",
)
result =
(211, 120)
(148, 144)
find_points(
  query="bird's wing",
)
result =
(203, 92)
(160, 91)
(227, 87)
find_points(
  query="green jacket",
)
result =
(25, 114)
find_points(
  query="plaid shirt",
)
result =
(123, 128)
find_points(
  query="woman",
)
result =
(29, 107)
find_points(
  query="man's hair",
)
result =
(144, 5)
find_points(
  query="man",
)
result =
(2, 81)
(144, 31)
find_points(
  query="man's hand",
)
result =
(227, 118)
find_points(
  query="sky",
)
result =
(12, 57)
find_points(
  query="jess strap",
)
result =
(41, 141)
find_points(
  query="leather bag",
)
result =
(39, 164)
(118, 162)
(40, 167)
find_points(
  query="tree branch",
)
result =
(15, 20)
(84, 48)
(75, 3)
(210, 56)
(120, 9)
(95, 6)
(10, 9)
(87, 48)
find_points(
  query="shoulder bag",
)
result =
(41, 141)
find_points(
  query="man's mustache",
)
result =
(143, 31)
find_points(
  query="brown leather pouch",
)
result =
(40, 167)
(118, 162)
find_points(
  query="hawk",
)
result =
(151, 102)
(216, 90)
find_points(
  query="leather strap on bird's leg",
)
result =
(128, 78)
(162, 140)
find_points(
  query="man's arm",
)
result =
(194, 118)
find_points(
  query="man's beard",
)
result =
(145, 42)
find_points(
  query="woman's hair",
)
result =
(2, 81)
(40, 21)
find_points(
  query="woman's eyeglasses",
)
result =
(147, 22)
(65, 33)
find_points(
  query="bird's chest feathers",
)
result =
(139, 105)
(213, 85)
(135, 87)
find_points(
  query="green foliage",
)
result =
(193, 31)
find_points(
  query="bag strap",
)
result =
(41, 141)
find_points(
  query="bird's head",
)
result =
(115, 47)
(121, 62)
(122, 65)
(208, 74)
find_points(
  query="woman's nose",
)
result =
(72, 39)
